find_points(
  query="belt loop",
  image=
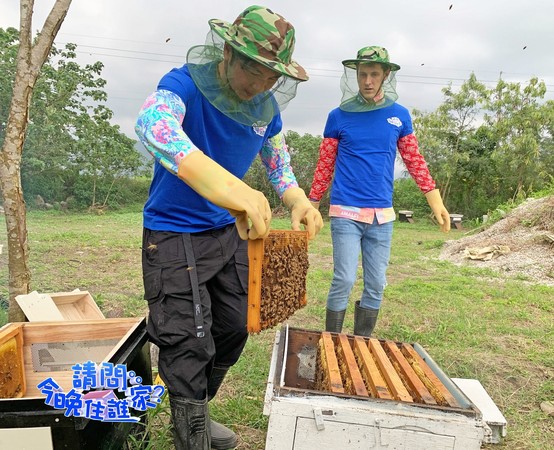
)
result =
(197, 305)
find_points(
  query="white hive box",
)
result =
(303, 418)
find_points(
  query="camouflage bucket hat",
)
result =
(263, 36)
(371, 54)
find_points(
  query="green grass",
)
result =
(475, 323)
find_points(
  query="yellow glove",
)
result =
(302, 211)
(315, 204)
(441, 214)
(222, 188)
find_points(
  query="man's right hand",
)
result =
(222, 188)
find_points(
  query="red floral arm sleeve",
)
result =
(325, 168)
(415, 163)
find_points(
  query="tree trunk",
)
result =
(30, 59)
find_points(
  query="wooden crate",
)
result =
(75, 305)
(26, 421)
(395, 412)
(278, 267)
(31, 342)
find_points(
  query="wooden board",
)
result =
(352, 378)
(329, 364)
(431, 381)
(39, 307)
(394, 382)
(411, 380)
(369, 370)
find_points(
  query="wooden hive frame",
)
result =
(328, 375)
(12, 365)
(368, 367)
(269, 305)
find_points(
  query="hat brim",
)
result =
(353, 63)
(292, 70)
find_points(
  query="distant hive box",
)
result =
(406, 216)
(75, 305)
(278, 266)
(456, 221)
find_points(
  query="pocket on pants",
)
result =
(242, 267)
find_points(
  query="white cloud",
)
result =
(485, 37)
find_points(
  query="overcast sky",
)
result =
(435, 41)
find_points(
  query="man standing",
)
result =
(361, 138)
(205, 124)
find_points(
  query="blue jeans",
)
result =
(374, 241)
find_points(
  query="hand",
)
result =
(302, 212)
(222, 188)
(441, 214)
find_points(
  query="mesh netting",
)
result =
(353, 101)
(203, 63)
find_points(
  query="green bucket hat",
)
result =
(265, 37)
(371, 54)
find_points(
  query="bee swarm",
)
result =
(277, 285)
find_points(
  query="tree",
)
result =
(523, 128)
(30, 58)
(485, 146)
(71, 149)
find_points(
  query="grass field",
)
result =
(474, 323)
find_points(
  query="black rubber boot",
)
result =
(334, 320)
(222, 437)
(364, 320)
(191, 423)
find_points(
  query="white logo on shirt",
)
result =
(260, 131)
(394, 121)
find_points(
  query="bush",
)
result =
(408, 196)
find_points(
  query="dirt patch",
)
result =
(521, 244)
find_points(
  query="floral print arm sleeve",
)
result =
(276, 160)
(324, 169)
(159, 129)
(415, 163)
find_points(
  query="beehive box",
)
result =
(278, 266)
(35, 351)
(310, 405)
(75, 305)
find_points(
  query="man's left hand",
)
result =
(302, 212)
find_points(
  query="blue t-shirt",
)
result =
(172, 205)
(364, 169)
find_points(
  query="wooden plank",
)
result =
(38, 332)
(394, 382)
(39, 307)
(330, 363)
(255, 263)
(369, 370)
(351, 373)
(429, 378)
(407, 375)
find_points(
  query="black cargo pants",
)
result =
(193, 338)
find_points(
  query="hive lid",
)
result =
(52, 307)
(492, 416)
